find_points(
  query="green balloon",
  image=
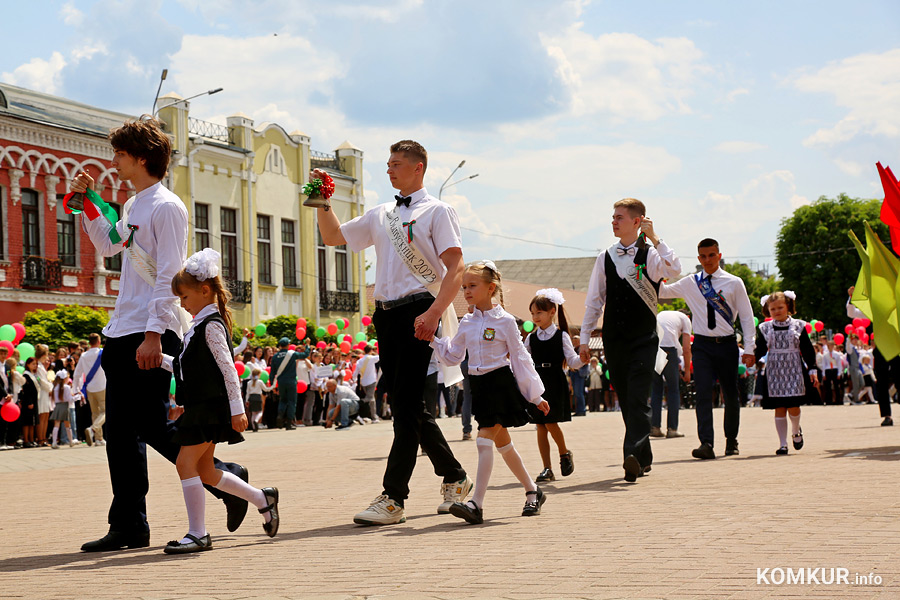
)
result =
(320, 332)
(360, 337)
(813, 323)
(172, 386)
(245, 374)
(742, 369)
(606, 374)
(264, 377)
(756, 321)
(260, 330)
(528, 326)
(340, 338)
(26, 351)
(7, 333)
(20, 368)
(339, 323)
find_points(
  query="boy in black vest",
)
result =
(625, 281)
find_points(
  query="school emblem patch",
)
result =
(489, 334)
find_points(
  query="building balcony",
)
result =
(40, 273)
(240, 290)
(210, 131)
(339, 301)
(323, 160)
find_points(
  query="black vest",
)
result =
(626, 315)
(547, 351)
(204, 378)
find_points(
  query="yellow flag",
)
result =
(878, 292)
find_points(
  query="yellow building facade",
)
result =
(242, 185)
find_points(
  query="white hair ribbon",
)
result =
(552, 294)
(203, 265)
(763, 300)
(790, 294)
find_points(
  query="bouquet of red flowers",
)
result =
(319, 190)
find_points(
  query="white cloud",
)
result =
(738, 147)
(868, 85)
(625, 75)
(71, 15)
(39, 74)
(851, 167)
(735, 93)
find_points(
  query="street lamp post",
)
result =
(206, 93)
(165, 73)
(458, 167)
(455, 182)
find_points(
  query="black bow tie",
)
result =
(404, 200)
(622, 251)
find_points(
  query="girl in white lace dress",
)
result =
(209, 389)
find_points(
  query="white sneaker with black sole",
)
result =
(454, 492)
(382, 511)
(89, 436)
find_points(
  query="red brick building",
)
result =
(45, 257)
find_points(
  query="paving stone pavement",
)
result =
(688, 530)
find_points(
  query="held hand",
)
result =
(149, 354)
(239, 422)
(749, 360)
(584, 353)
(543, 406)
(647, 230)
(850, 290)
(176, 412)
(815, 379)
(426, 324)
(317, 174)
(82, 182)
(686, 376)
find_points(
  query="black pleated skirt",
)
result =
(496, 399)
(206, 422)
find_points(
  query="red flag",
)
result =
(890, 208)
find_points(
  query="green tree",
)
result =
(817, 260)
(757, 285)
(63, 324)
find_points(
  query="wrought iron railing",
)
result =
(324, 160)
(212, 131)
(41, 273)
(340, 301)
(240, 290)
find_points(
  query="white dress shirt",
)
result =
(162, 232)
(493, 341)
(366, 373)
(661, 263)
(732, 289)
(674, 324)
(436, 230)
(84, 366)
(830, 359)
(573, 361)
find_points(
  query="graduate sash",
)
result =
(714, 298)
(401, 237)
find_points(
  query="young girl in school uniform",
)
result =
(255, 389)
(207, 386)
(551, 349)
(790, 367)
(63, 399)
(500, 373)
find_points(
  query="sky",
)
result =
(723, 117)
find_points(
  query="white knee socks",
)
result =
(515, 464)
(55, 434)
(795, 423)
(781, 428)
(256, 417)
(195, 501)
(234, 485)
(485, 466)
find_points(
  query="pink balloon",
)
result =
(301, 333)
(848, 329)
(820, 325)
(8, 345)
(361, 345)
(809, 328)
(865, 322)
(301, 322)
(346, 322)
(839, 338)
(864, 338)
(345, 347)
(292, 347)
(860, 331)
(857, 322)
(768, 319)
(240, 367)
(367, 320)
(332, 329)
(302, 387)
(321, 345)
(10, 412)
(20, 332)
(269, 370)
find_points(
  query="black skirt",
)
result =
(206, 422)
(256, 403)
(770, 403)
(556, 393)
(496, 399)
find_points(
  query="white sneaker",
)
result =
(382, 511)
(454, 492)
(100, 442)
(89, 436)
(71, 443)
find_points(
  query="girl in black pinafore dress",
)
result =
(209, 389)
(551, 349)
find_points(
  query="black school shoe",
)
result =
(195, 544)
(567, 463)
(470, 514)
(116, 540)
(633, 468)
(271, 528)
(794, 440)
(533, 503)
(731, 447)
(704, 451)
(546, 475)
(782, 451)
(236, 508)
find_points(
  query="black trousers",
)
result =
(631, 365)
(714, 361)
(137, 404)
(833, 394)
(886, 373)
(404, 365)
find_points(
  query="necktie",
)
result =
(622, 251)
(404, 200)
(710, 311)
